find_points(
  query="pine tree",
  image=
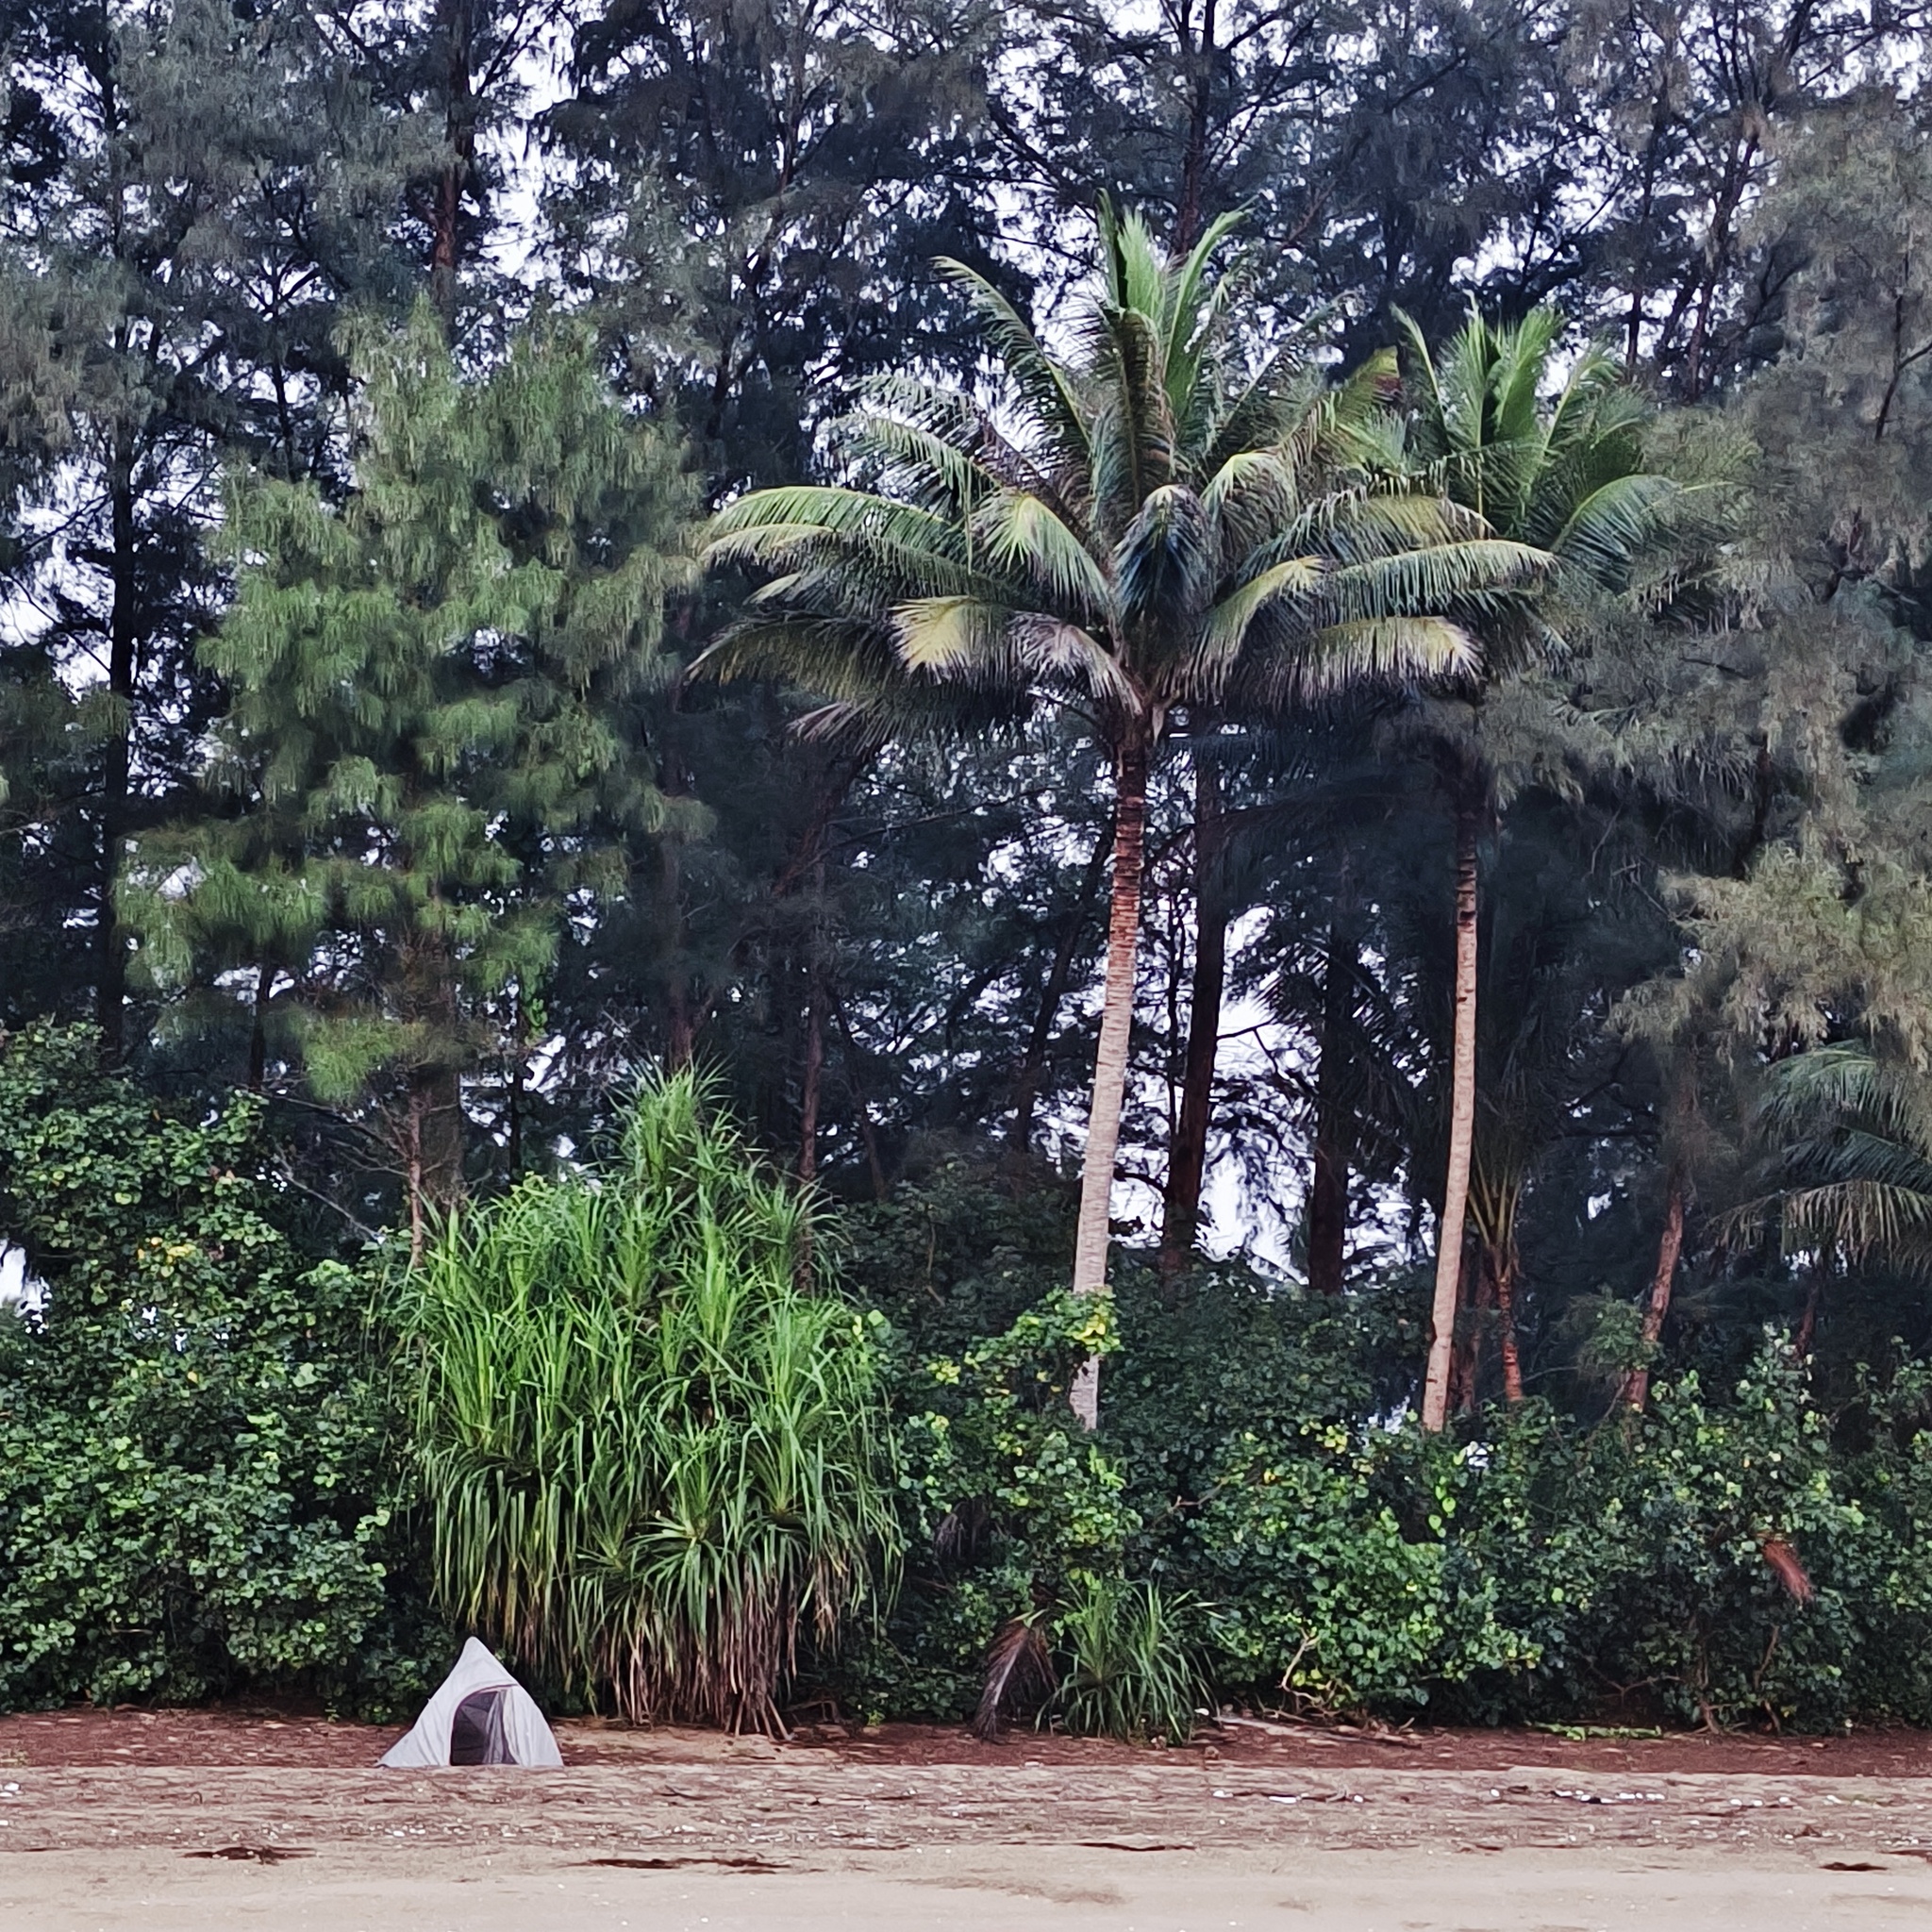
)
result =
(754, 193)
(193, 192)
(429, 737)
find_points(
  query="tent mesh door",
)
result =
(476, 1735)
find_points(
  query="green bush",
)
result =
(660, 1451)
(1333, 1595)
(1007, 1504)
(1254, 1461)
(651, 1447)
(197, 1489)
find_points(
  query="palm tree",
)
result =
(1143, 525)
(1559, 466)
(1847, 1136)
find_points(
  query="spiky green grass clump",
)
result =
(654, 1447)
(1130, 1670)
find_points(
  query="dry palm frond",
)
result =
(1783, 1561)
(1018, 1664)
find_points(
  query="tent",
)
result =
(479, 1715)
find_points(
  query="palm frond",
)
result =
(1471, 574)
(1019, 532)
(947, 635)
(1051, 396)
(1165, 562)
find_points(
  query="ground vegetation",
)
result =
(1323, 803)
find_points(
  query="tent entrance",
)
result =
(476, 1734)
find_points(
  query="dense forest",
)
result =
(1040, 858)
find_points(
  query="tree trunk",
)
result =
(453, 178)
(1669, 1248)
(432, 1150)
(1198, 61)
(1466, 1375)
(680, 1026)
(1051, 995)
(1188, 1163)
(412, 1175)
(1808, 1322)
(1502, 1266)
(111, 981)
(861, 1107)
(257, 1031)
(814, 1077)
(1329, 1183)
(1110, 1057)
(441, 1137)
(519, 1074)
(1461, 1110)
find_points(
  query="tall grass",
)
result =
(651, 1451)
(1131, 1671)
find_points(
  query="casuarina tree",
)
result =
(427, 738)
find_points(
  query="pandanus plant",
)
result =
(1153, 522)
(652, 1448)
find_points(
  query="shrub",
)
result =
(652, 1448)
(1255, 1463)
(197, 1494)
(1005, 1504)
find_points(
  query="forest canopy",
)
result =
(1243, 691)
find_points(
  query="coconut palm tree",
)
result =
(1556, 464)
(1146, 523)
(1847, 1171)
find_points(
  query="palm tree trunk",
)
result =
(1188, 1163)
(1329, 1183)
(1110, 1057)
(1669, 1248)
(1461, 1111)
(1465, 1378)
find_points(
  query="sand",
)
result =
(134, 1820)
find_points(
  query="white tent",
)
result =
(479, 1715)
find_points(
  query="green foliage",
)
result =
(429, 739)
(1131, 1668)
(1004, 1497)
(1256, 1499)
(1334, 1600)
(197, 1489)
(652, 1449)
(1544, 1570)
(476, 847)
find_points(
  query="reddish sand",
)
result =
(250, 1736)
